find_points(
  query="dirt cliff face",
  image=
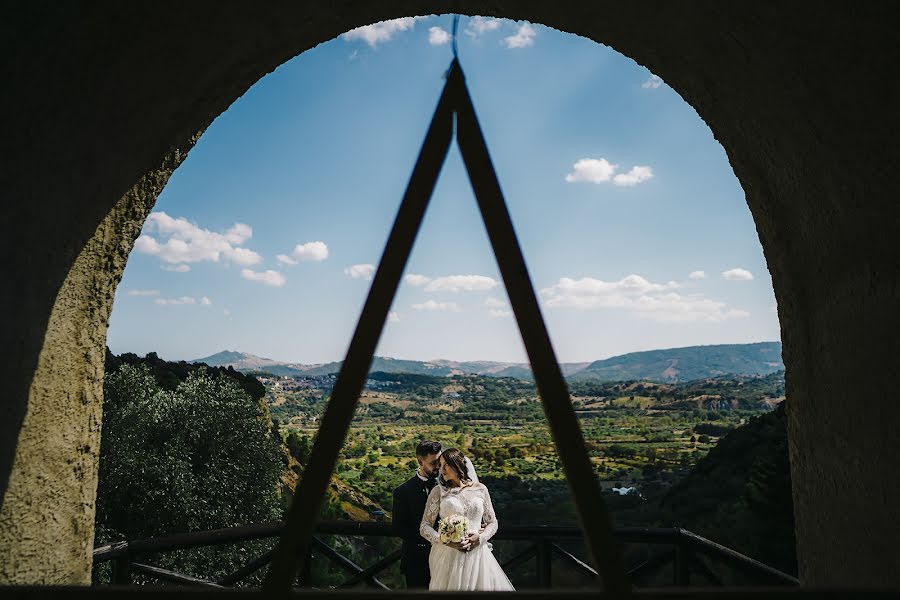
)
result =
(102, 99)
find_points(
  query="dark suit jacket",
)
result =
(409, 505)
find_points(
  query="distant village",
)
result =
(284, 383)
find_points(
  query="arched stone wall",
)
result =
(101, 100)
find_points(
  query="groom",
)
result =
(409, 504)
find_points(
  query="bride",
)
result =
(469, 564)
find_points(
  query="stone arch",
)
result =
(108, 99)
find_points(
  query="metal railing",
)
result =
(678, 548)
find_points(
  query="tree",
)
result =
(367, 473)
(299, 447)
(199, 457)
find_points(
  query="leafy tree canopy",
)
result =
(200, 456)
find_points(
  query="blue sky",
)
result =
(634, 227)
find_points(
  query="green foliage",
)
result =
(200, 456)
(711, 429)
(299, 446)
(170, 374)
(740, 494)
(637, 434)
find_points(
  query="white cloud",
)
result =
(480, 25)
(380, 32)
(363, 271)
(461, 283)
(637, 174)
(205, 301)
(226, 312)
(176, 301)
(242, 256)
(522, 38)
(638, 296)
(588, 287)
(416, 280)
(697, 275)
(310, 252)
(737, 274)
(498, 308)
(652, 83)
(143, 292)
(272, 278)
(492, 302)
(438, 36)
(393, 317)
(600, 170)
(176, 268)
(676, 308)
(591, 170)
(437, 306)
(185, 242)
(146, 245)
(239, 233)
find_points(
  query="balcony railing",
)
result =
(687, 554)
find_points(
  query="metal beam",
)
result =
(252, 567)
(173, 577)
(344, 562)
(379, 566)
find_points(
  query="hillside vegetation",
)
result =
(687, 364)
(708, 454)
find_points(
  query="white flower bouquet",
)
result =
(453, 529)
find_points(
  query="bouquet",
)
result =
(453, 528)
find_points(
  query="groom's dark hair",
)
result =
(426, 447)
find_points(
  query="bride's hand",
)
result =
(462, 546)
(473, 539)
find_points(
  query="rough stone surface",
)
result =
(96, 95)
(47, 516)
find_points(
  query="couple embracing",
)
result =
(445, 518)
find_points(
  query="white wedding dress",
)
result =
(452, 569)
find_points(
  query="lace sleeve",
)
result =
(432, 508)
(490, 518)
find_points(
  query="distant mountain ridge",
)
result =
(688, 364)
(662, 366)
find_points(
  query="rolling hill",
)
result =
(687, 364)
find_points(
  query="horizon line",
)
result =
(433, 360)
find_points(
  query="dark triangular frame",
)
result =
(301, 519)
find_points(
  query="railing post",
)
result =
(304, 573)
(682, 562)
(121, 569)
(544, 553)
